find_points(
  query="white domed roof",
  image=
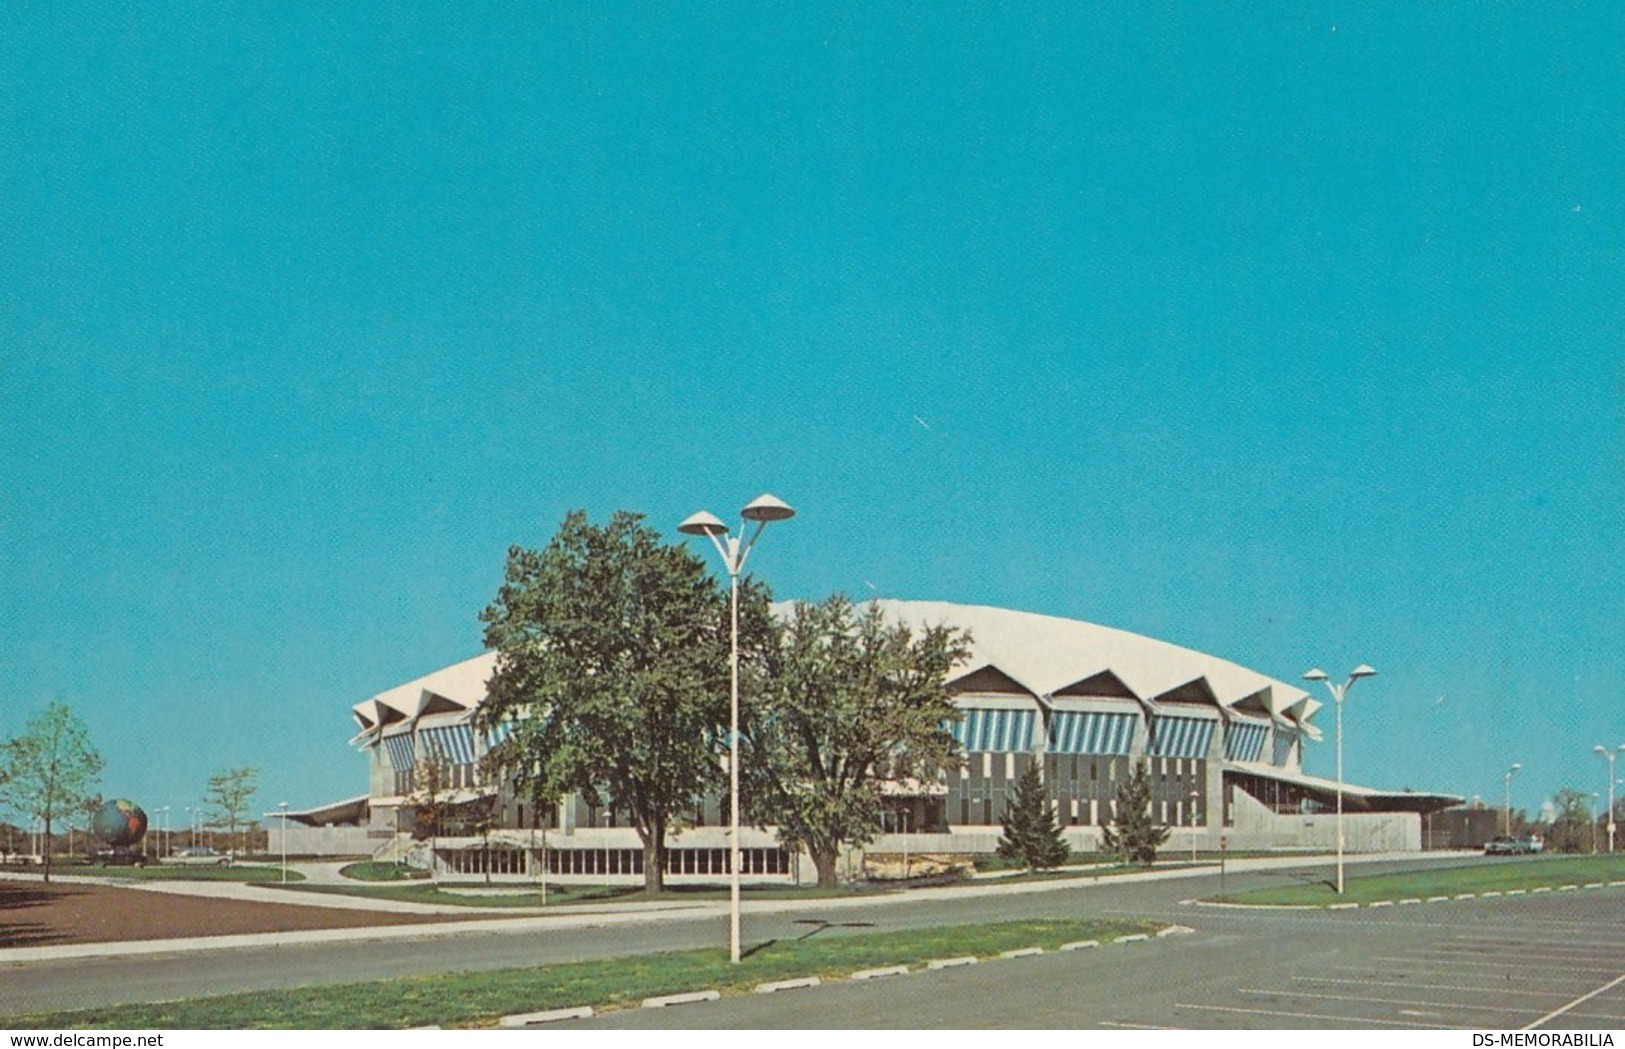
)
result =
(1047, 655)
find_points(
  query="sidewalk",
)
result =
(478, 920)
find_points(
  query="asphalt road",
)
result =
(1285, 944)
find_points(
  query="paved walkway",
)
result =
(566, 916)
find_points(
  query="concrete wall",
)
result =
(324, 841)
(1256, 827)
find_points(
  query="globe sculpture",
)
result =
(120, 823)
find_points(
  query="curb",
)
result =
(548, 1016)
(587, 1012)
(951, 963)
(688, 998)
(876, 974)
(1407, 901)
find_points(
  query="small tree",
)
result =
(1031, 836)
(430, 799)
(51, 769)
(228, 795)
(1132, 833)
(1571, 822)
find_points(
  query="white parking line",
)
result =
(1518, 952)
(1502, 965)
(1428, 986)
(1139, 1027)
(1454, 1006)
(1316, 1016)
(1616, 947)
(1555, 1013)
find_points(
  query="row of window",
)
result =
(609, 861)
(458, 777)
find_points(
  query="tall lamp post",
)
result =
(1506, 799)
(734, 550)
(1610, 755)
(1338, 692)
(1194, 795)
(282, 822)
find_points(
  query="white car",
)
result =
(200, 856)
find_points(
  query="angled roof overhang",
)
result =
(990, 682)
(1355, 796)
(1251, 708)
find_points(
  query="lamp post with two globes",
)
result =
(734, 550)
(1610, 755)
(1506, 799)
(1338, 692)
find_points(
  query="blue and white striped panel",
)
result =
(1284, 738)
(495, 734)
(1180, 737)
(1244, 741)
(996, 731)
(1073, 732)
(455, 743)
(399, 749)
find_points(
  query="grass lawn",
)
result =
(392, 882)
(1493, 875)
(479, 999)
(424, 891)
(373, 870)
(164, 872)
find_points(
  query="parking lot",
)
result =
(1512, 970)
(1554, 961)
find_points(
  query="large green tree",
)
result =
(51, 769)
(228, 795)
(1132, 832)
(845, 703)
(612, 654)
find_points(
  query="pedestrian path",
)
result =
(508, 920)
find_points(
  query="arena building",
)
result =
(1224, 746)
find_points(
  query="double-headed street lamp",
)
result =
(1194, 796)
(282, 816)
(1506, 799)
(1610, 755)
(734, 550)
(1338, 692)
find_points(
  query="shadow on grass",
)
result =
(20, 897)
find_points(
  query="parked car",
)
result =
(200, 856)
(120, 857)
(1503, 845)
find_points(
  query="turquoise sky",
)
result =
(1290, 333)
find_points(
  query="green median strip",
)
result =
(482, 999)
(176, 872)
(1493, 877)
